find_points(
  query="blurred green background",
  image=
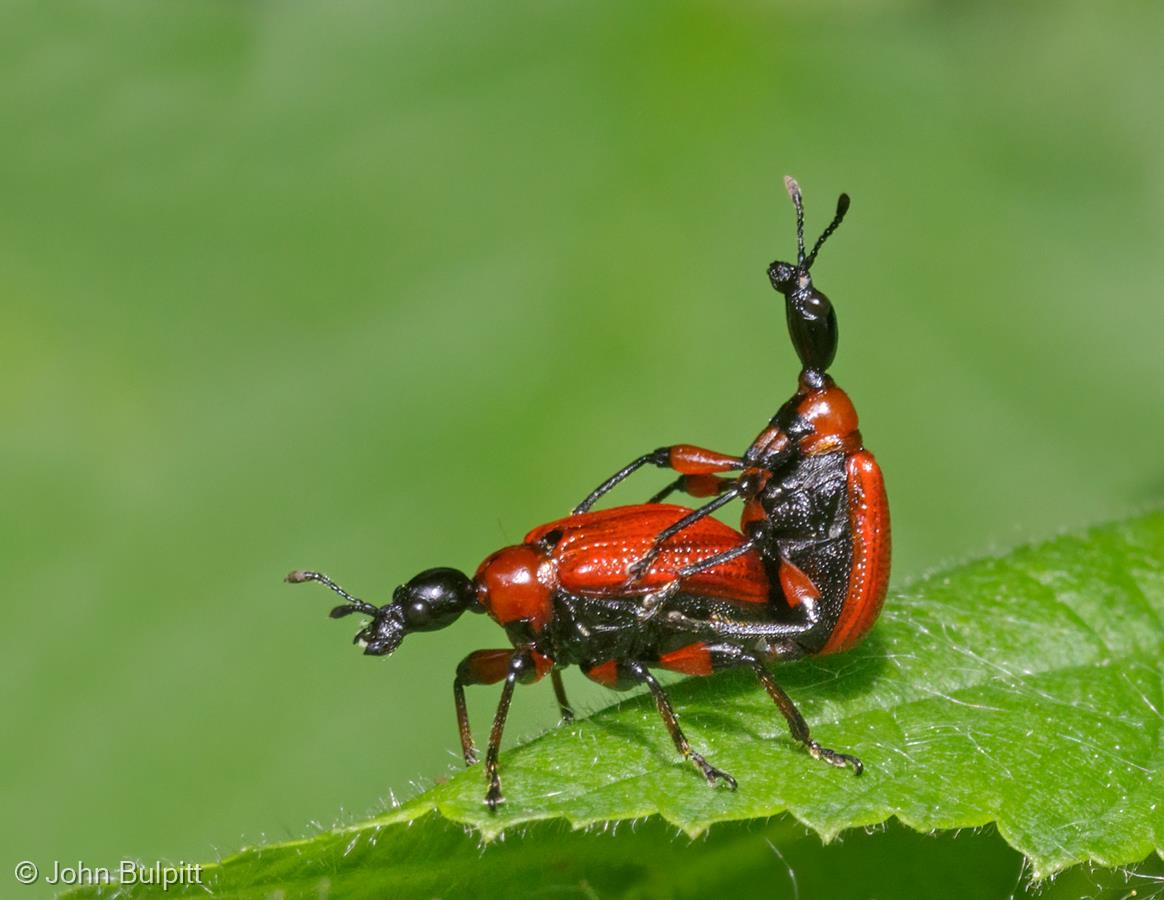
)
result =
(373, 287)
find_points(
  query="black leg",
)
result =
(796, 723)
(660, 457)
(493, 797)
(643, 563)
(479, 667)
(748, 632)
(655, 600)
(564, 707)
(683, 458)
(772, 633)
(710, 772)
(676, 485)
(695, 486)
(467, 749)
(710, 562)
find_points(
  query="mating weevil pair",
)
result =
(621, 591)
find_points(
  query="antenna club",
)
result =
(792, 187)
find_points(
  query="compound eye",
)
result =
(417, 614)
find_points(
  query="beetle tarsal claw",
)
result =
(639, 568)
(654, 601)
(493, 798)
(715, 777)
(833, 758)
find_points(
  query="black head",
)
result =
(812, 322)
(431, 600)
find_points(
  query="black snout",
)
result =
(384, 633)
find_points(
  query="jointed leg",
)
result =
(564, 707)
(710, 772)
(656, 458)
(643, 563)
(493, 796)
(694, 486)
(747, 632)
(683, 458)
(468, 751)
(479, 667)
(654, 601)
(796, 723)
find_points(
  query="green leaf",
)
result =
(1024, 691)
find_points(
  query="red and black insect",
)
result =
(814, 498)
(561, 598)
(620, 591)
